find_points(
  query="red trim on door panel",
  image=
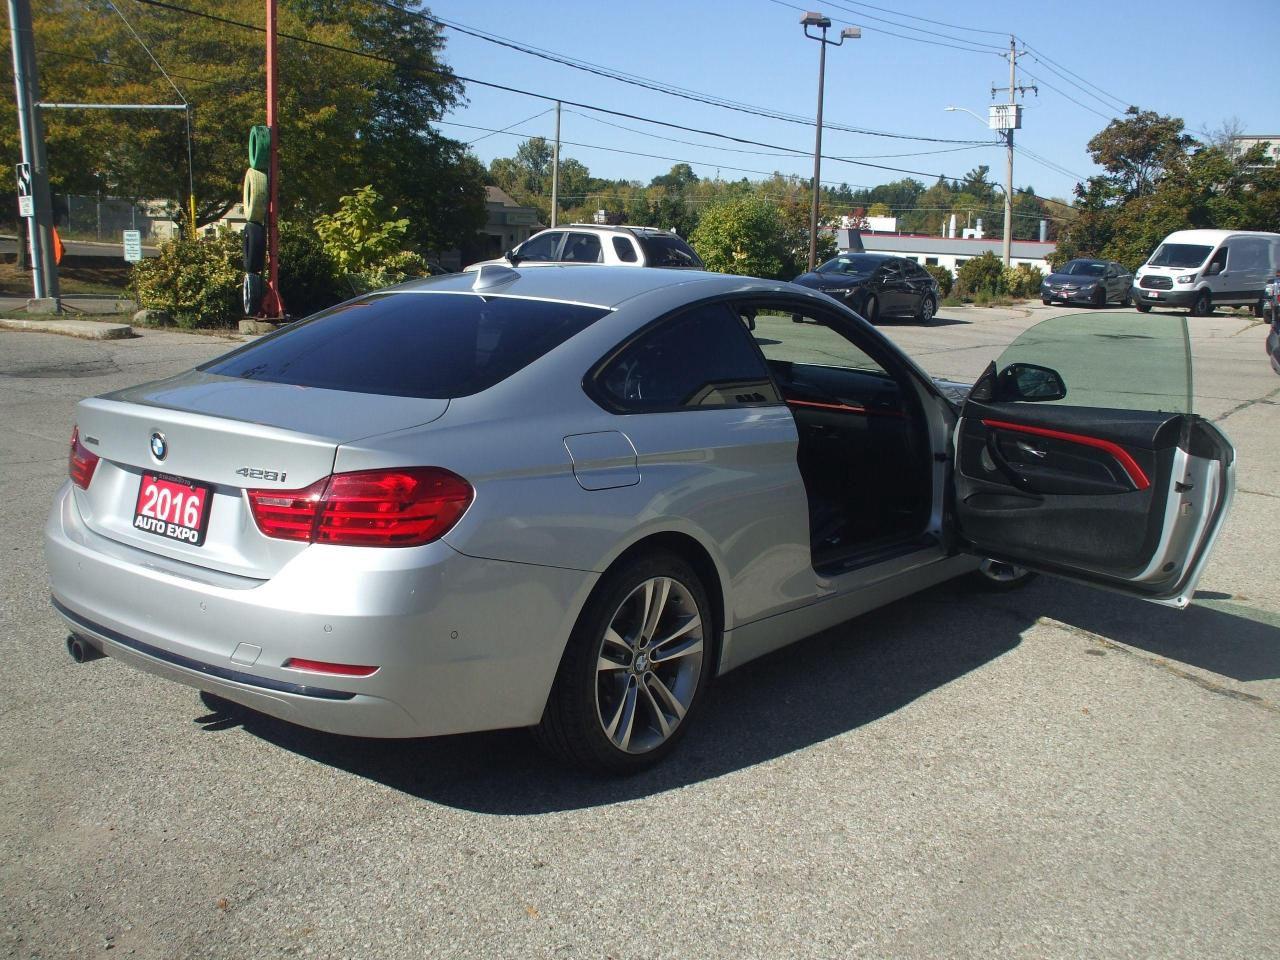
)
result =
(846, 408)
(1126, 461)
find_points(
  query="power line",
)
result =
(518, 123)
(142, 43)
(66, 55)
(646, 82)
(1062, 93)
(1123, 104)
(1058, 73)
(900, 36)
(529, 93)
(1050, 164)
(907, 26)
(936, 23)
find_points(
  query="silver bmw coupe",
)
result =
(568, 497)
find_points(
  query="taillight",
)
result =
(332, 669)
(82, 462)
(397, 507)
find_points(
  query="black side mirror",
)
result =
(1029, 382)
(513, 257)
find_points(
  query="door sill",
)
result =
(866, 556)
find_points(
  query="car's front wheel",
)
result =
(634, 669)
(1202, 306)
(871, 309)
(1142, 307)
(927, 309)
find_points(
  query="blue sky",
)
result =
(1174, 58)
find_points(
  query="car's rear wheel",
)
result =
(634, 669)
(1126, 300)
(1202, 306)
(927, 309)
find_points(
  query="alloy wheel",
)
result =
(1000, 572)
(648, 665)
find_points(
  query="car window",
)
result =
(668, 250)
(1220, 258)
(791, 338)
(702, 358)
(1132, 362)
(541, 247)
(623, 248)
(428, 345)
(889, 271)
(1084, 268)
(582, 248)
(916, 271)
(853, 264)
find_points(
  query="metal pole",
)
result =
(44, 271)
(1008, 175)
(555, 171)
(817, 156)
(191, 175)
(272, 304)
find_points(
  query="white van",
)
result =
(1198, 270)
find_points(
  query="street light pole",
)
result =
(848, 33)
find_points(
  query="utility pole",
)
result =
(555, 170)
(1013, 121)
(44, 269)
(272, 304)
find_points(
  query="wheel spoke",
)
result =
(664, 725)
(627, 718)
(656, 593)
(613, 638)
(658, 690)
(675, 651)
(692, 623)
(604, 664)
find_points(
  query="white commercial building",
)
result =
(948, 252)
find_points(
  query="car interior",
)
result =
(864, 452)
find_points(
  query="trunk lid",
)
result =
(232, 434)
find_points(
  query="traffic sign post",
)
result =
(133, 245)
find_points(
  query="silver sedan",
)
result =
(567, 498)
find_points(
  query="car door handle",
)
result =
(1032, 451)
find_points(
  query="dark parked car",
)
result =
(1095, 282)
(877, 285)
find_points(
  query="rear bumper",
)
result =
(1163, 298)
(461, 644)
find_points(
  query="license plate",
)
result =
(1154, 296)
(173, 507)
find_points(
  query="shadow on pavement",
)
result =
(825, 686)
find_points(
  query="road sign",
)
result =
(133, 245)
(1004, 116)
(26, 205)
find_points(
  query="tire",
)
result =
(1126, 300)
(1142, 307)
(871, 309)
(1099, 299)
(1260, 308)
(255, 247)
(1047, 303)
(260, 147)
(926, 312)
(255, 196)
(615, 720)
(994, 576)
(1202, 306)
(251, 291)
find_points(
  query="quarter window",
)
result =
(700, 359)
(623, 248)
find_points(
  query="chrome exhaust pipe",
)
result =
(81, 650)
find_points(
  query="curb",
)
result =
(84, 329)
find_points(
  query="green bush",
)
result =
(942, 275)
(195, 281)
(364, 242)
(308, 276)
(744, 236)
(395, 268)
(1023, 282)
(984, 274)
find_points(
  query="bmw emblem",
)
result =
(159, 448)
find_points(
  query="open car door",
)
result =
(1077, 454)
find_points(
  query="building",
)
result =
(948, 252)
(1242, 143)
(509, 223)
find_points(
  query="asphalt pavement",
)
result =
(1053, 772)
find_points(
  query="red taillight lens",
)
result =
(82, 462)
(333, 669)
(399, 507)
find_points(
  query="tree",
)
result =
(742, 236)
(677, 178)
(1136, 150)
(344, 119)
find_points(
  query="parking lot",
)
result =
(1054, 772)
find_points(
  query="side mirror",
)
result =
(513, 257)
(1214, 270)
(1029, 382)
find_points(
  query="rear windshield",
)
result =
(1179, 255)
(668, 250)
(428, 345)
